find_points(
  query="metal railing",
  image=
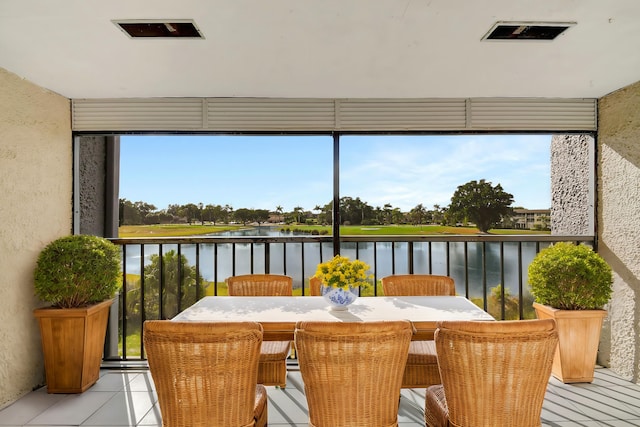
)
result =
(163, 276)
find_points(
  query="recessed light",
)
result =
(504, 30)
(168, 28)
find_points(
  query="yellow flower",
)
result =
(341, 272)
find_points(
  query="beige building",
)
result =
(68, 72)
(530, 219)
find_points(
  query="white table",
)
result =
(278, 315)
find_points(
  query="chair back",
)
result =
(260, 285)
(352, 371)
(314, 286)
(418, 284)
(495, 373)
(205, 373)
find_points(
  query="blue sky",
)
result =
(262, 172)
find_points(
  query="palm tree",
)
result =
(417, 214)
(297, 211)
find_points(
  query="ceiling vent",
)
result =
(503, 30)
(168, 29)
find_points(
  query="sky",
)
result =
(263, 172)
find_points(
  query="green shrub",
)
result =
(78, 270)
(570, 277)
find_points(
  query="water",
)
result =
(482, 271)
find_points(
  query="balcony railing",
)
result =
(163, 276)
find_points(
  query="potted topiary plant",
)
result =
(79, 276)
(571, 284)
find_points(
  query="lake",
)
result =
(427, 259)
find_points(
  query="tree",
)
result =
(190, 211)
(355, 211)
(261, 215)
(480, 203)
(388, 210)
(201, 213)
(135, 213)
(243, 215)
(179, 289)
(326, 213)
(297, 212)
(418, 214)
(218, 214)
(397, 217)
(228, 211)
(128, 213)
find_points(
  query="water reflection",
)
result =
(475, 270)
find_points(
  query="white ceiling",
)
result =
(322, 48)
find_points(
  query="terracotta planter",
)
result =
(578, 339)
(72, 343)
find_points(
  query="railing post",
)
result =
(336, 193)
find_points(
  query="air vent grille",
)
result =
(527, 30)
(160, 29)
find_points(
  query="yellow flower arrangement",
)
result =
(341, 272)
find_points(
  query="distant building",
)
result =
(530, 219)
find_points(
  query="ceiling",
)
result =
(322, 48)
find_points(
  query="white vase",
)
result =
(339, 298)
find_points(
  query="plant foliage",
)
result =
(78, 270)
(570, 277)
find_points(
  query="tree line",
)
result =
(478, 202)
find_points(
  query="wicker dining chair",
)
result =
(422, 364)
(352, 371)
(272, 369)
(494, 374)
(205, 373)
(315, 285)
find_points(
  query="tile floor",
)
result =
(127, 398)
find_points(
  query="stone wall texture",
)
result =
(36, 187)
(92, 184)
(572, 185)
(618, 218)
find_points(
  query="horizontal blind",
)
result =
(401, 114)
(269, 114)
(533, 114)
(137, 114)
(281, 114)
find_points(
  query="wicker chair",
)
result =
(352, 371)
(315, 285)
(422, 364)
(205, 372)
(494, 374)
(272, 369)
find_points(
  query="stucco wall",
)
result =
(92, 183)
(619, 225)
(36, 188)
(571, 185)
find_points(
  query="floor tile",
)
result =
(123, 409)
(74, 409)
(128, 398)
(28, 407)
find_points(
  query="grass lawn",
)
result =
(173, 230)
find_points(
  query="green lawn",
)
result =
(172, 230)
